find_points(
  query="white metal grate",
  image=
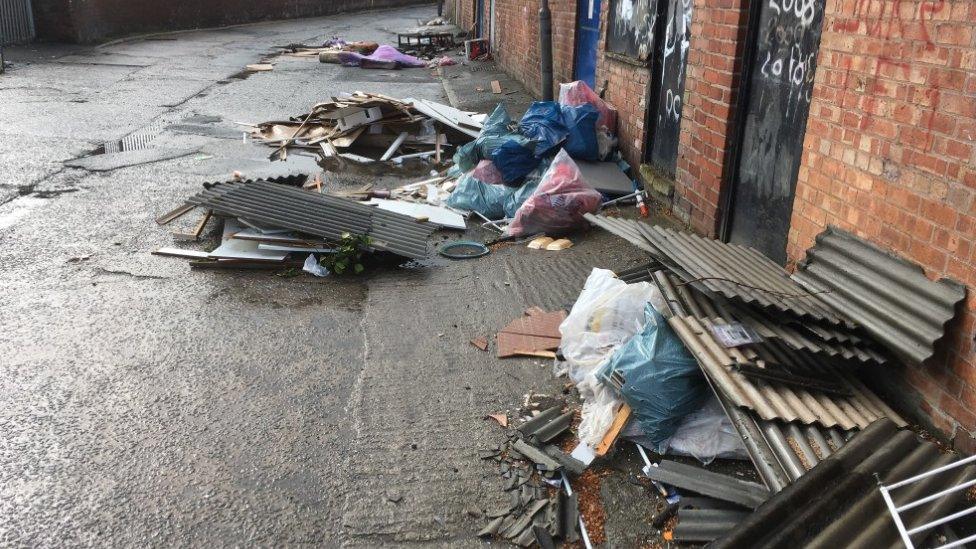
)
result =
(896, 510)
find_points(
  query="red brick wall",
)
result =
(889, 155)
(627, 91)
(710, 87)
(517, 33)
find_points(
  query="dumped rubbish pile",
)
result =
(711, 350)
(542, 173)
(270, 224)
(328, 52)
(368, 127)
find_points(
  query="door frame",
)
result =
(734, 138)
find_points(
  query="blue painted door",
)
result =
(587, 38)
(479, 17)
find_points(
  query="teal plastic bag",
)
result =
(662, 381)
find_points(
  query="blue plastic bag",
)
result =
(543, 122)
(662, 381)
(475, 195)
(581, 140)
(493, 201)
(495, 132)
(514, 161)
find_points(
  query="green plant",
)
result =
(348, 255)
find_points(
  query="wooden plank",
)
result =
(496, 86)
(177, 213)
(539, 354)
(198, 230)
(619, 421)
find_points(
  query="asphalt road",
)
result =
(145, 404)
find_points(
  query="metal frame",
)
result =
(895, 510)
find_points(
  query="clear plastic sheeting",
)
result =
(606, 314)
(657, 376)
(705, 434)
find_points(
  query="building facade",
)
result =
(764, 122)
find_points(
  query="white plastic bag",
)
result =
(704, 435)
(606, 314)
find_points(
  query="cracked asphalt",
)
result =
(145, 404)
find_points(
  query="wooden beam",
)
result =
(619, 421)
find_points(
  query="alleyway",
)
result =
(148, 404)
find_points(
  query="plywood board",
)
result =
(437, 215)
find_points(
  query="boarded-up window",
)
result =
(630, 29)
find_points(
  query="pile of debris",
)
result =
(782, 354)
(274, 223)
(542, 506)
(367, 127)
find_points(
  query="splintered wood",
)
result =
(371, 127)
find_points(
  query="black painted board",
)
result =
(780, 88)
(670, 87)
(630, 29)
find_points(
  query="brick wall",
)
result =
(717, 33)
(889, 155)
(517, 33)
(627, 91)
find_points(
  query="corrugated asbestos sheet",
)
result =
(685, 300)
(782, 452)
(624, 228)
(837, 504)
(777, 400)
(16, 22)
(316, 214)
(737, 272)
(891, 298)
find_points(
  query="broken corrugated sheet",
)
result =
(699, 525)
(775, 400)
(782, 452)
(316, 214)
(890, 297)
(683, 300)
(624, 228)
(838, 504)
(736, 272)
(707, 483)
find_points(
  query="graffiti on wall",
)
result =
(663, 150)
(890, 24)
(631, 28)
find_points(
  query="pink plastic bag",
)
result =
(384, 57)
(487, 172)
(559, 203)
(578, 93)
